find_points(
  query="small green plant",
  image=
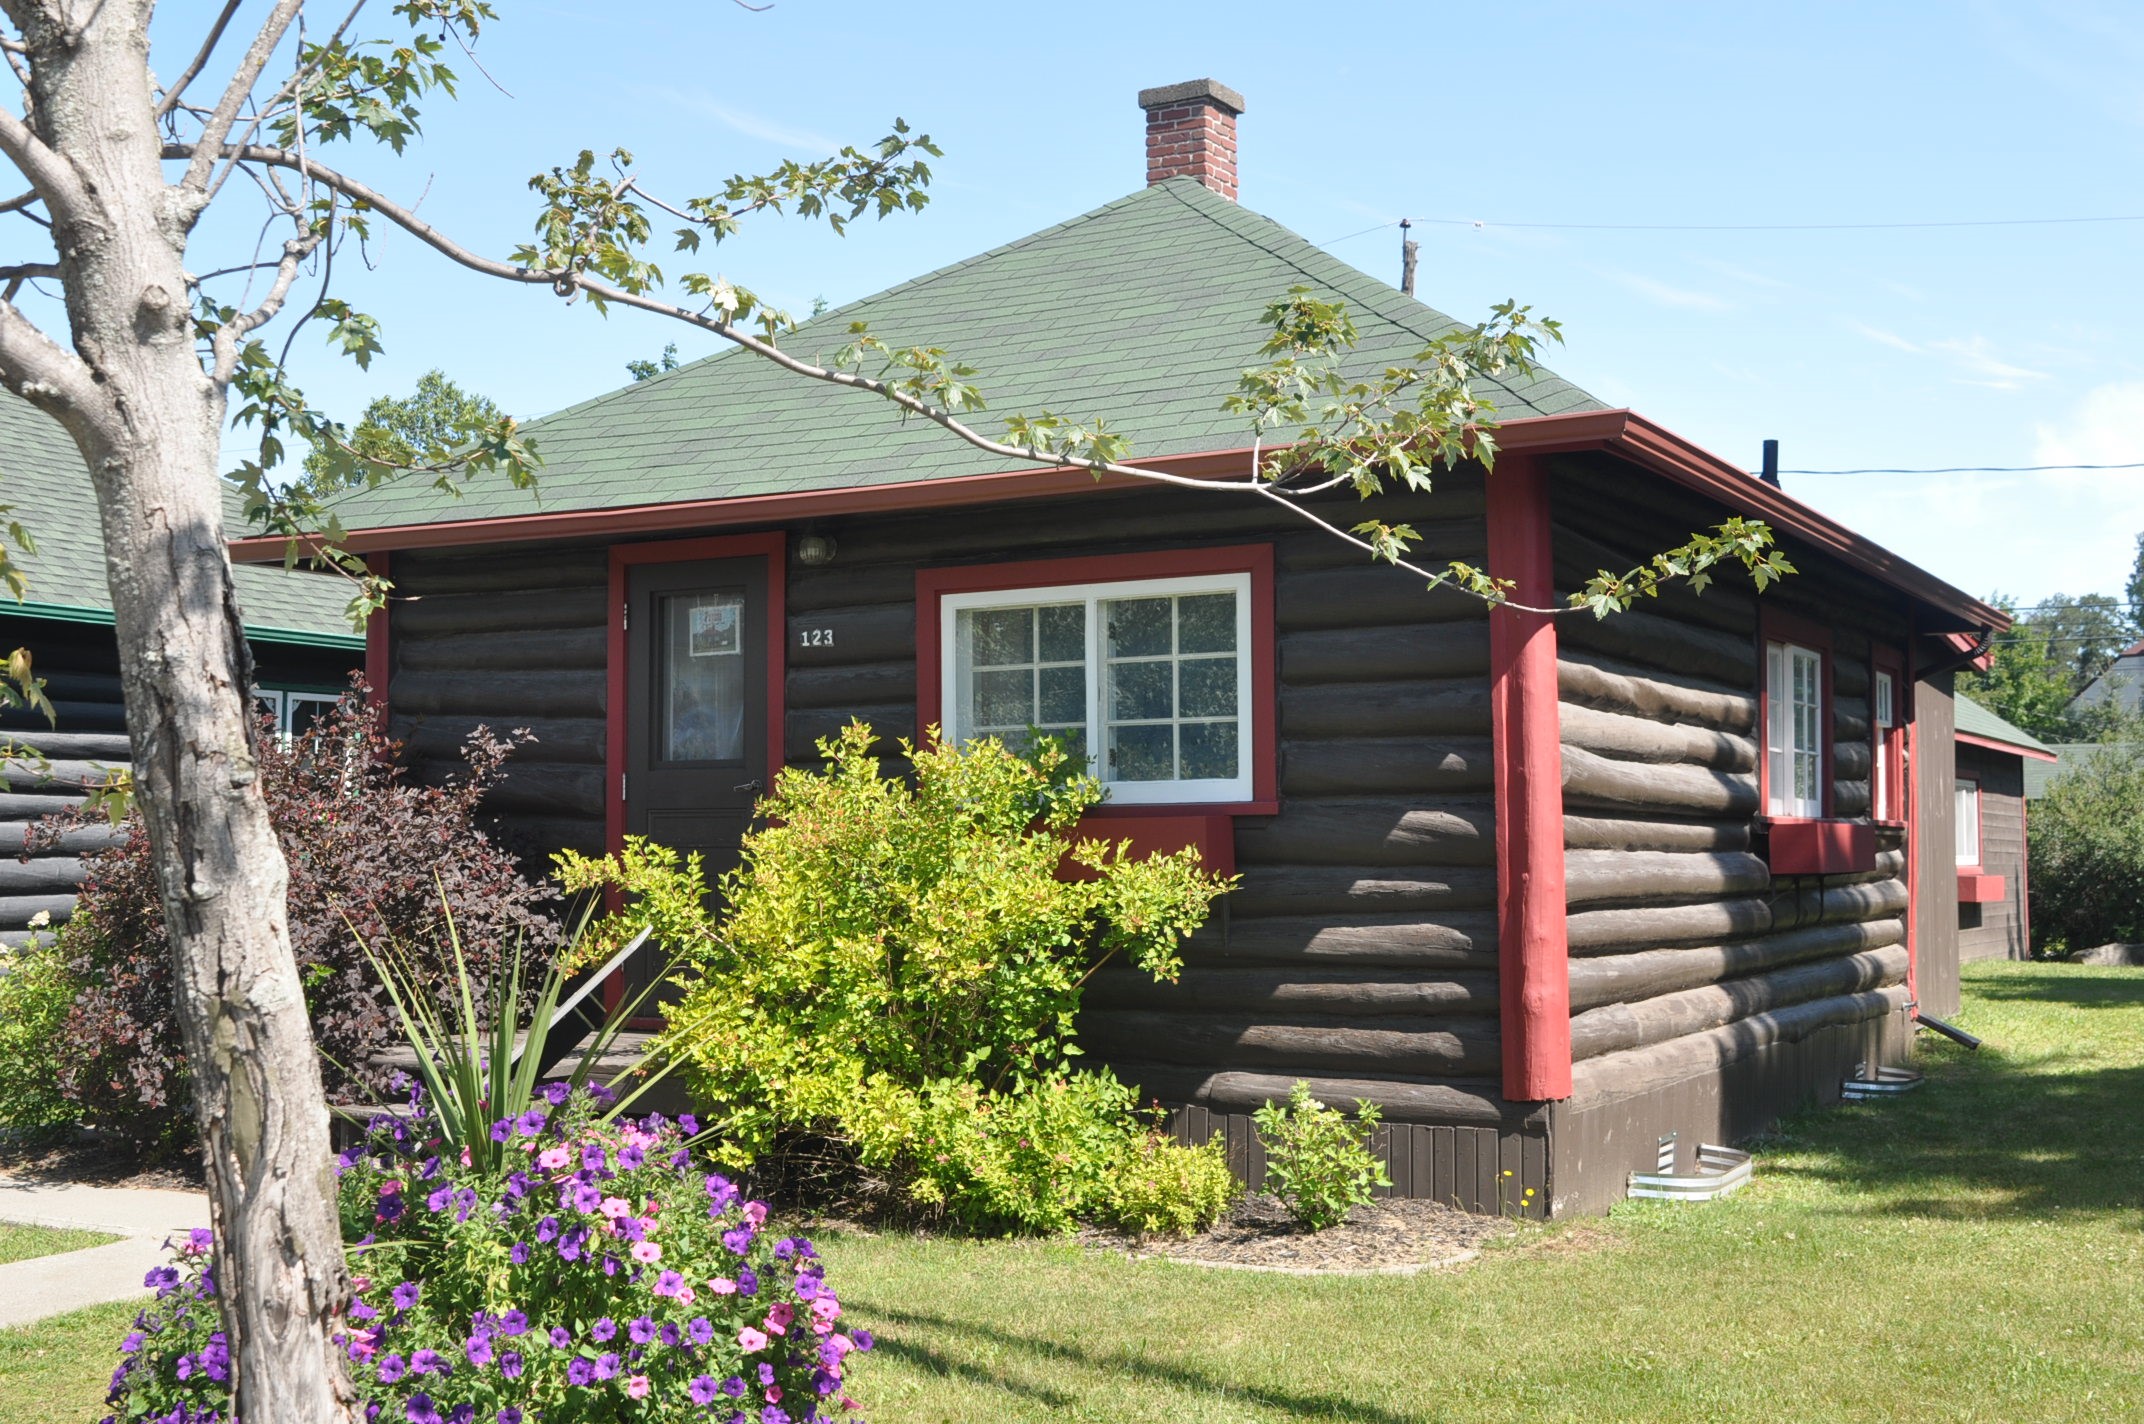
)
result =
(36, 992)
(1160, 1186)
(1318, 1162)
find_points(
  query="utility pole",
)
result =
(1408, 249)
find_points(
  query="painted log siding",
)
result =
(1996, 929)
(1686, 951)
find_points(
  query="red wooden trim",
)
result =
(1977, 887)
(2010, 748)
(379, 662)
(1889, 750)
(1775, 626)
(1622, 432)
(1533, 943)
(1214, 834)
(2024, 870)
(773, 547)
(1253, 559)
(1802, 846)
(1910, 790)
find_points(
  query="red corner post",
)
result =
(1533, 946)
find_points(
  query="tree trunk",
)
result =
(151, 445)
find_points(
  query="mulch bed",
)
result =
(1392, 1235)
(101, 1164)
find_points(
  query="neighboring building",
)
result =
(1989, 827)
(2121, 684)
(2039, 775)
(1545, 890)
(303, 652)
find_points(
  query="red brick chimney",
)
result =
(1191, 132)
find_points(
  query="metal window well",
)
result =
(1883, 1083)
(1718, 1171)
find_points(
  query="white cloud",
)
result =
(749, 124)
(2105, 428)
(1885, 338)
(1670, 296)
(1976, 356)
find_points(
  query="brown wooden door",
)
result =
(696, 708)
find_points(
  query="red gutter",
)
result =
(1533, 942)
(1621, 432)
(2011, 748)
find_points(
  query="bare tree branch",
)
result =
(295, 251)
(52, 176)
(44, 373)
(193, 70)
(218, 125)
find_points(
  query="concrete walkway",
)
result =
(53, 1285)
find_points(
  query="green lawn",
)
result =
(21, 1243)
(1972, 1252)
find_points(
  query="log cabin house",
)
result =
(1546, 890)
(303, 653)
(1989, 826)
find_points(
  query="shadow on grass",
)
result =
(1988, 1135)
(1111, 1364)
(2072, 985)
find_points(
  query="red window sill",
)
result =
(1162, 830)
(1810, 846)
(1976, 887)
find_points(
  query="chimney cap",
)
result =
(1209, 89)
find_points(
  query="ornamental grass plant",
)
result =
(596, 1274)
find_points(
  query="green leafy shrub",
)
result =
(1037, 1158)
(1159, 1186)
(883, 929)
(36, 992)
(2086, 852)
(1318, 1162)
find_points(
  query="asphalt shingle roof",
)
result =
(42, 480)
(1141, 312)
(1976, 720)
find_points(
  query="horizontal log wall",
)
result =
(1996, 929)
(1360, 950)
(512, 638)
(87, 738)
(1681, 938)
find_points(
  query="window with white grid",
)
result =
(1794, 730)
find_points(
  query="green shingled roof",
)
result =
(42, 478)
(1141, 312)
(1976, 720)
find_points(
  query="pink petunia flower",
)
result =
(647, 1252)
(553, 1158)
(756, 1213)
(685, 1295)
(615, 1207)
(774, 1394)
(751, 1341)
(637, 1386)
(722, 1285)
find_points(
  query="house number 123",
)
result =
(815, 637)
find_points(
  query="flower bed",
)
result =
(598, 1275)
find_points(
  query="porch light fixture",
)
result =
(816, 550)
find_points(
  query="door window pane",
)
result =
(701, 708)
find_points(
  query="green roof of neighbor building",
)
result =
(1976, 720)
(1142, 312)
(2038, 774)
(46, 488)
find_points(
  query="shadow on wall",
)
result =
(2030, 1131)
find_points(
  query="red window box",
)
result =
(1811, 846)
(1214, 835)
(1976, 887)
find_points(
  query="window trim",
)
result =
(1890, 752)
(936, 586)
(279, 695)
(1972, 865)
(1788, 630)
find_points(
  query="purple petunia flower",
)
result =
(422, 1411)
(642, 1330)
(734, 1387)
(556, 1094)
(607, 1365)
(478, 1349)
(429, 1361)
(510, 1364)
(519, 1255)
(514, 1322)
(561, 1337)
(671, 1335)
(766, 1374)
(391, 1368)
(405, 1295)
(630, 1157)
(862, 1338)
(361, 1311)
(774, 1414)
(738, 1240)
(701, 1330)
(509, 1415)
(547, 1230)
(531, 1122)
(462, 1414)
(586, 1197)
(580, 1371)
(594, 1158)
(517, 1185)
(703, 1390)
(502, 1129)
(603, 1330)
(162, 1280)
(669, 1283)
(747, 1281)
(688, 1124)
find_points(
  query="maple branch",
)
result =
(52, 177)
(193, 70)
(217, 127)
(295, 251)
(45, 373)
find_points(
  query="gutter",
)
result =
(1623, 433)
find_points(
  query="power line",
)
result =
(1483, 223)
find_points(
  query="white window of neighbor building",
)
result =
(295, 709)
(1968, 822)
(1794, 730)
(1150, 679)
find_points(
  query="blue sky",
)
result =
(1929, 347)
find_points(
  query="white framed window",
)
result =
(1968, 822)
(1794, 730)
(294, 709)
(1883, 791)
(1150, 679)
